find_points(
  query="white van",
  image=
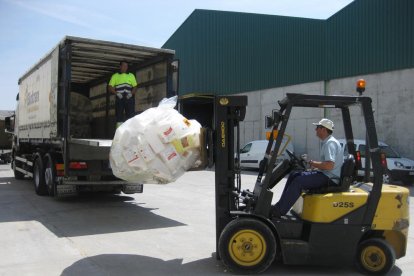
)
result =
(253, 152)
(398, 168)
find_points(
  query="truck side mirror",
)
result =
(9, 126)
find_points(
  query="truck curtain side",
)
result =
(65, 118)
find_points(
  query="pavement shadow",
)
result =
(125, 264)
(6, 180)
(86, 214)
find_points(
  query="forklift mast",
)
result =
(229, 111)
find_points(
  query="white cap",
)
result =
(326, 123)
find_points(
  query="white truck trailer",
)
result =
(65, 118)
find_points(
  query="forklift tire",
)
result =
(50, 174)
(375, 256)
(39, 177)
(247, 246)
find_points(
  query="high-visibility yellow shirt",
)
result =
(123, 82)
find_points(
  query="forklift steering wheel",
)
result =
(296, 160)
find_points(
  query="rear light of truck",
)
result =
(60, 169)
(78, 165)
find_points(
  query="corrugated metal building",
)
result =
(231, 52)
(228, 52)
(265, 56)
(370, 36)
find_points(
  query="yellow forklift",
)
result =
(363, 223)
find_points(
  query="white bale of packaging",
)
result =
(157, 146)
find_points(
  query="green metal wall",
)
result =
(228, 52)
(371, 36)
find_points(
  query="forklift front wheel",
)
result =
(247, 245)
(375, 256)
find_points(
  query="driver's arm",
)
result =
(322, 165)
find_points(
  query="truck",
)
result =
(5, 138)
(64, 121)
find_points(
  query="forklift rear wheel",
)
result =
(50, 174)
(39, 176)
(247, 245)
(375, 256)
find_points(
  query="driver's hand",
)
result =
(311, 164)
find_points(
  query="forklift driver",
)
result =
(323, 173)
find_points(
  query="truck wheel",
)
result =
(375, 256)
(39, 176)
(247, 245)
(50, 174)
(17, 175)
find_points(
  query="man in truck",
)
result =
(124, 86)
(325, 172)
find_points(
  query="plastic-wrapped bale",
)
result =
(156, 146)
(80, 115)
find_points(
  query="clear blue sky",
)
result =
(31, 28)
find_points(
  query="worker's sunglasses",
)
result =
(318, 127)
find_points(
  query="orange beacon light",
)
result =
(360, 86)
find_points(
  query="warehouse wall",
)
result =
(392, 101)
(370, 36)
(265, 57)
(230, 52)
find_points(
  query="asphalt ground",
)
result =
(168, 229)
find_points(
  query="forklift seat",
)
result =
(347, 176)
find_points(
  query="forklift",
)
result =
(362, 223)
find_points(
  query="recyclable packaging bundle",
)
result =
(156, 146)
(80, 115)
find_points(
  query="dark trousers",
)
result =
(124, 108)
(297, 182)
